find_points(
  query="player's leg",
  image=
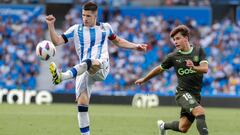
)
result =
(186, 121)
(83, 91)
(91, 65)
(164, 126)
(187, 102)
(199, 114)
(182, 125)
(83, 115)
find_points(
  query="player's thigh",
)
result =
(186, 101)
(83, 88)
(98, 64)
(102, 73)
(184, 124)
(186, 114)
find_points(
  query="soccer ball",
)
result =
(45, 50)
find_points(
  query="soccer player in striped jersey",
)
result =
(190, 64)
(91, 44)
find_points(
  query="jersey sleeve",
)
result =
(69, 34)
(111, 35)
(202, 56)
(167, 63)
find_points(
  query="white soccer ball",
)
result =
(45, 50)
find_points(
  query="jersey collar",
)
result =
(188, 52)
(97, 24)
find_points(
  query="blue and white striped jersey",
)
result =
(90, 42)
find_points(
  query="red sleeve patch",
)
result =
(112, 37)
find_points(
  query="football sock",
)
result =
(83, 119)
(201, 125)
(172, 125)
(76, 70)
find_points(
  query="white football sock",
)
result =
(83, 120)
(76, 70)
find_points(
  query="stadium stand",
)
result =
(19, 66)
(126, 66)
(20, 31)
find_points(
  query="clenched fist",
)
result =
(50, 19)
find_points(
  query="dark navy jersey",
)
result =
(188, 79)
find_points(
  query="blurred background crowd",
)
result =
(19, 67)
(220, 41)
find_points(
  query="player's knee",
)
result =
(183, 129)
(83, 100)
(199, 110)
(89, 63)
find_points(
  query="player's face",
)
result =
(180, 41)
(89, 18)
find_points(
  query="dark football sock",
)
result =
(201, 125)
(172, 126)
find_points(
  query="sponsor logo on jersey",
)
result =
(182, 71)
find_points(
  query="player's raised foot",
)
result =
(160, 125)
(56, 76)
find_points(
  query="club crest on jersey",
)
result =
(195, 58)
(180, 60)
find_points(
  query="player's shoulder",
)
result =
(173, 53)
(105, 24)
(198, 48)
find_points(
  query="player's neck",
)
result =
(187, 48)
(92, 25)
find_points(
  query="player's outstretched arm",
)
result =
(56, 39)
(157, 70)
(120, 42)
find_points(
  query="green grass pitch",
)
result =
(61, 119)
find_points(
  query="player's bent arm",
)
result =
(56, 39)
(156, 71)
(202, 68)
(120, 42)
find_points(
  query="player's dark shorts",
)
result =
(187, 101)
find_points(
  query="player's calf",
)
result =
(174, 125)
(201, 125)
(83, 119)
(199, 114)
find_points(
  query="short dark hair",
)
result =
(90, 6)
(183, 29)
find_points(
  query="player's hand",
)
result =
(50, 19)
(189, 64)
(140, 81)
(142, 47)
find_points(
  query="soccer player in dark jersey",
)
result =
(190, 64)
